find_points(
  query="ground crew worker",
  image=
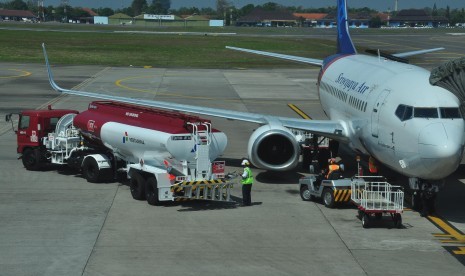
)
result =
(246, 181)
(333, 166)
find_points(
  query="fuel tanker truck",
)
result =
(166, 155)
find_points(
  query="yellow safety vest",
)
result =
(249, 179)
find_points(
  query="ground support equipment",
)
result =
(374, 197)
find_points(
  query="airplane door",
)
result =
(376, 111)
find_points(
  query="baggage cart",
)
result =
(374, 197)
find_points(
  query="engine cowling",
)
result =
(273, 148)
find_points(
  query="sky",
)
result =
(381, 5)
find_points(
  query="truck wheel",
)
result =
(151, 191)
(90, 170)
(305, 193)
(137, 186)
(328, 198)
(31, 159)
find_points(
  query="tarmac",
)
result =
(55, 223)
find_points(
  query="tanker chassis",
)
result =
(166, 155)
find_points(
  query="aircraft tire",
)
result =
(137, 186)
(415, 202)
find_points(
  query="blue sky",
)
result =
(381, 5)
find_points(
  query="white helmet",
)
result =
(245, 162)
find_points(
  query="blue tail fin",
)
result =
(344, 42)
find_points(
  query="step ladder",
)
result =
(202, 140)
(214, 190)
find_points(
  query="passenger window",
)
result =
(450, 113)
(24, 122)
(425, 112)
(404, 112)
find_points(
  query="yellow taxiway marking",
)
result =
(22, 74)
(450, 235)
(461, 251)
(299, 111)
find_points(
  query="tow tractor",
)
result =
(333, 191)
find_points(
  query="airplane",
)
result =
(379, 106)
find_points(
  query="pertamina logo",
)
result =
(126, 138)
(91, 125)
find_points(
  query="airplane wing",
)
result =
(312, 61)
(419, 52)
(332, 129)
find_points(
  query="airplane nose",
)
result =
(440, 146)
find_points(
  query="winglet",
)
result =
(49, 71)
(344, 42)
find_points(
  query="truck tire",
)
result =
(90, 170)
(31, 159)
(137, 186)
(328, 198)
(305, 193)
(151, 191)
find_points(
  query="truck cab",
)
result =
(33, 125)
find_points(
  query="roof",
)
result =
(196, 18)
(18, 13)
(311, 16)
(259, 14)
(120, 16)
(417, 15)
(89, 11)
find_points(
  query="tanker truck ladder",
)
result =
(214, 190)
(202, 140)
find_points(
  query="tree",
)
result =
(245, 10)
(139, 6)
(375, 22)
(160, 6)
(104, 11)
(271, 6)
(16, 5)
(221, 7)
(435, 10)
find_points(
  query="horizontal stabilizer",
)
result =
(312, 61)
(419, 52)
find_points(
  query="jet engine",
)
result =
(273, 147)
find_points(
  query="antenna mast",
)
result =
(40, 10)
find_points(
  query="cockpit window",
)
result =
(425, 112)
(450, 113)
(404, 112)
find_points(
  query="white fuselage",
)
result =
(394, 114)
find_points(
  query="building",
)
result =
(309, 19)
(17, 15)
(417, 18)
(263, 18)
